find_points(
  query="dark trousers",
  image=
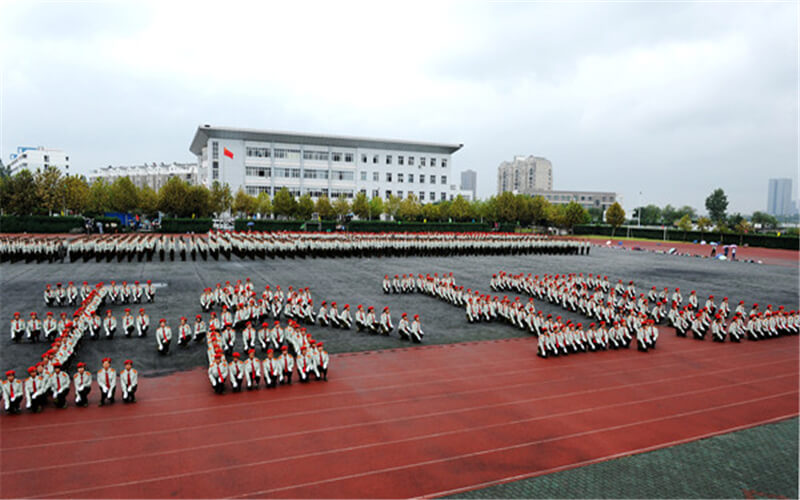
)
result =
(60, 399)
(84, 396)
(219, 388)
(13, 405)
(106, 398)
(131, 397)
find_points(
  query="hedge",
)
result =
(186, 225)
(376, 226)
(38, 224)
(788, 242)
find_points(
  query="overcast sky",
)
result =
(670, 99)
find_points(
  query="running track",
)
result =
(423, 421)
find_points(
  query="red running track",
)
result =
(421, 421)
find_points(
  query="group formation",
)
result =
(48, 382)
(300, 352)
(241, 307)
(47, 377)
(113, 293)
(252, 245)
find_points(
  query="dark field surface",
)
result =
(358, 281)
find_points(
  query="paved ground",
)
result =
(358, 281)
(753, 463)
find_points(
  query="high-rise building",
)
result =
(524, 175)
(35, 158)
(779, 197)
(262, 161)
(469, 182)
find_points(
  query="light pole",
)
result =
(639, 212)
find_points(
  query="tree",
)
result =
(243, 203)
(685, 224)
(615, 216)
(765, 220)
(264, 204)
(124, 195)
(717, 204)
(507, 207)
(410, 208)
(221, 197)
(375, 207)
(198, 202)
(459, 209)
(76, 194)
(391, 206)
(651, 215)
(49, 189)
(742, 228)
(284, 203)
(669, 215)
(361, 205)
(305, 207)
(430, 212)
(324, 208)
(734, 219)
(703, 223)
(574, 214)
(148, 201)
(20, 191)
(172, 197)
(596, 214)
(341, 207)
(539, 210)
(99, 197)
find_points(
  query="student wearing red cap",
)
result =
(345, 321)
(142, 322)
(12, 392)
(149, 291)
(217, 374)
(128, 323)
(49, 327)
(273, 371)
(236, 373)
(416, 330)
(109, 324)
(18, 328)
(35, 390)
(59, 384)
(34, 328)
(286, 362)
(304, 365)
(248, 337)
(129, 382)
(184, 332)
(199, 328)
(404, 327)
(252, 370)
(163, 337)
(83, 385)
(386, 325)
(107, 380)
(321, 362)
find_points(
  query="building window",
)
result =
(411, 178)
(315, 155)
(388, 159)
(444, 162)
(433, 196)
(375, 177)
(444, 196)
(215, 174)
(315, 173)
(433, 179)
(444, 179)
(348, 157)
(388, 177)
(375, 193)
(342, 175)
(287, 172)
(317, 192)
(256, 190)
(374, 159)
(258, 152)
(363, 176)
(363, 158)
(214, 150)
(433, 162)
(337, 156)
(257, 172)
(400, 160)
(422, 178)
(66, 158)
(388, 194)
(399, 177)
(421, 161)
(411, 161)
(288, 154)
(422, 196)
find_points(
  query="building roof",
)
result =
(206, 132)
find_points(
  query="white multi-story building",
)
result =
(153, 175)
(266, 161)
(35, 158)
(524, 175)
(587, 199)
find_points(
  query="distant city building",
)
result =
(263, 161)
(35, 158)
(587, 199)
(469, 182)
(525, 175)
(779, 197)
(152, 175)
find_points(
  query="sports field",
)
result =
(471, 408)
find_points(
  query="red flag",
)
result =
(227, 152)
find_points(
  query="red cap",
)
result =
(56, 365)
(31, 369)
(269, 351)
(218, 356)
(284, 348)
(236, 355)
(81, 365)
(106, 359)
(10, 372)
(251, 351)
